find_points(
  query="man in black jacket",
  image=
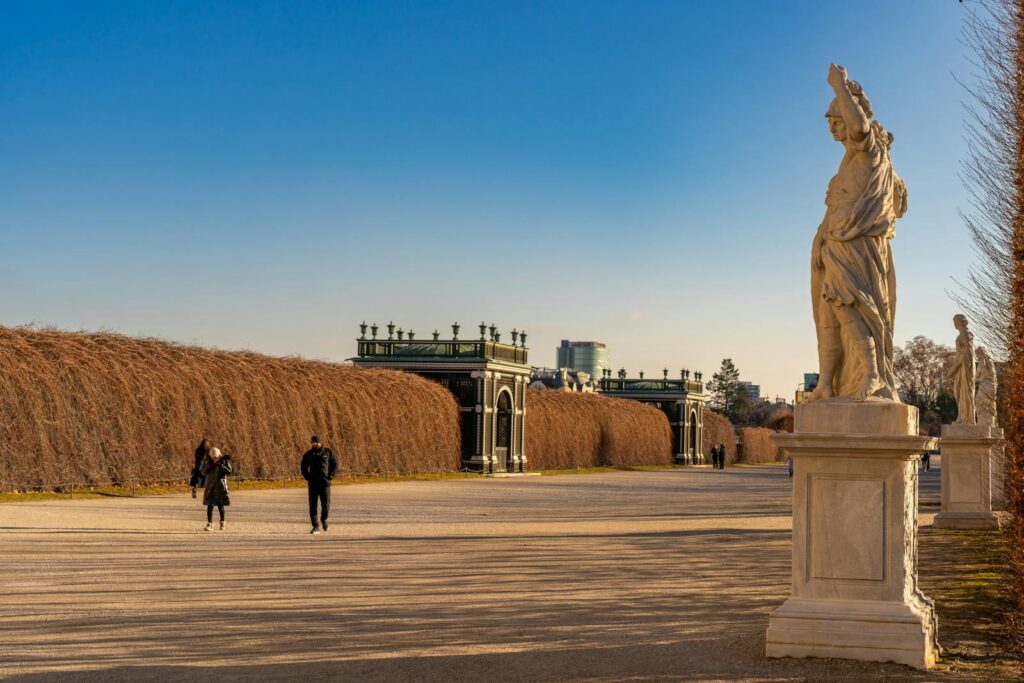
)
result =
(318, 469)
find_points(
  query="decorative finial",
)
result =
(522, 338)
(641, 374)
(664, 373)
(391, 330)
(401, 335)
(515, 336)
(362, 330)
(411, 335)
(437, 335)
(483, 331)
(622, 373)
(455, 332)
(373, 330)
(492, 330)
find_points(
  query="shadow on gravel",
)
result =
(696, 659)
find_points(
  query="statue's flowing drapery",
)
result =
(864, 200)
(963, 380)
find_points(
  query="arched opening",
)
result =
(694, 446)
(503, 430)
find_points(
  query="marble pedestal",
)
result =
(855, 495)
(967, 455)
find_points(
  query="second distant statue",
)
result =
(962, 372)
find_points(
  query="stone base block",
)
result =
(971, 431)
(846, 416)
(967, 455)
(855, 497)
(854, 629)
(967, 520)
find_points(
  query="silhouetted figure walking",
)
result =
(318, 469)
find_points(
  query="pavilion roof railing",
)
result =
(447, 349)
(688, 386)
(410, 348)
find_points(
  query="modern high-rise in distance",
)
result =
(753, 390)
(583, 356)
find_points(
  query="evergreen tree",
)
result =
(727, 395)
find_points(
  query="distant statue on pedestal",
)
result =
(853, 282)
(985, 396)
(962, 372)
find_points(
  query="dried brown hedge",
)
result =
(105, 407)
(757, 445)
(568, 430)
(718, 430)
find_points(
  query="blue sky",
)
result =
(266, 175)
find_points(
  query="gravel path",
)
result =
(622, 576)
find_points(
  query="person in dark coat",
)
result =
(715, 455)
(926, 461)
(215, 470)
(196, 480)
(319, 465)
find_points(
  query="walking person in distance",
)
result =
(216, 469)
(319, 465)
(196, 480)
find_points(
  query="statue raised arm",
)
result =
(847, 110)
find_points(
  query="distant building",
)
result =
(753, 390)
(810, 384)
(682, 401)
(563, 379)
(584, 356)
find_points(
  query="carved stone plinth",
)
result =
(967, 455)
(855, 494)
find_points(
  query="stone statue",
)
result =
(961, 371)
(985, 396)
(853, 282)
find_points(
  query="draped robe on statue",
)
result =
(963, 379)
(863, 201)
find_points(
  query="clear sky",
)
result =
(266, 175)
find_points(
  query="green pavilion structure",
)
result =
(682, 401)
(488, 378)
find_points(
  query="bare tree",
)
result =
(920, 369)
(994, 293)
(989, 173)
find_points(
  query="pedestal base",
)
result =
(866, 630)
(855, 494)
(967, 520)
(967, 453)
